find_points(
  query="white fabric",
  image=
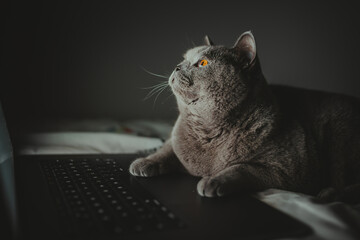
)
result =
(160, 129)
(84, 143)
(333, 221)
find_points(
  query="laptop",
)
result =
(94, 197)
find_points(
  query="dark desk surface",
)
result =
(234, 217)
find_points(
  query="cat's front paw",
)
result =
(144, 167)
(210, 187)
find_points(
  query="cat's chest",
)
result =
(198, 157)
(198, 161)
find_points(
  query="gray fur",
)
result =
(240, 134)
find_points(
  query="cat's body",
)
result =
(238, 133)
(331, 124)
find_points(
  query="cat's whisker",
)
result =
(155, 90)
(150, 94)
(156, 85)
(154, 93)
(159, 94)
(172, 94)
(154, 74)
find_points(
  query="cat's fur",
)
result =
(239, 133)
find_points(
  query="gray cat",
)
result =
(240, 134)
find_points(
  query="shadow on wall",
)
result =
(85, 59)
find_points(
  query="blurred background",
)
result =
(85, 59)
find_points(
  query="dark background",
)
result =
(84, 58)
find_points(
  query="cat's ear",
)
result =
(208, 41)
(246, 47)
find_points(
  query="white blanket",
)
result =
(87, 143)
(333, 221)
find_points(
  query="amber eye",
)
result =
(203, 63)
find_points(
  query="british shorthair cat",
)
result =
(240, 134)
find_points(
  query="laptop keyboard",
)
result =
(93, 195)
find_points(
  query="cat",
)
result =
(239, 133)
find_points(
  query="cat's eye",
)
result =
(203, 63)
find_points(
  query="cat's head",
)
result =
(215, 77)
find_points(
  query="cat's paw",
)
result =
(145, 167)
(210, 187)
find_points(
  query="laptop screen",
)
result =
(8, 209)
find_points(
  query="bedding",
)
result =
(95, 136)
(337, 221)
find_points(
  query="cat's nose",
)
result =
(177, 68)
